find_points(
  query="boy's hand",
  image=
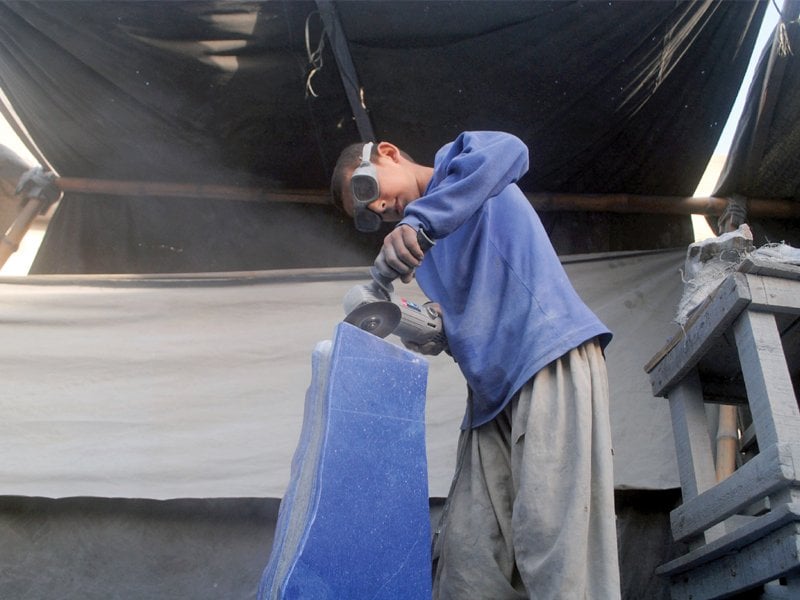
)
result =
(401, 254)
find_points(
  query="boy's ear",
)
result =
(389, 150)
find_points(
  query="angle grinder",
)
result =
(375, 308)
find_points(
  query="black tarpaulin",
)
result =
(764, 160)
(611, 97)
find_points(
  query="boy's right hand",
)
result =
(400, 254)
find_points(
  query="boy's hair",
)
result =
(348, 160)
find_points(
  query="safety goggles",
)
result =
(365, 188)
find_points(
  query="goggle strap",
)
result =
(366, 153)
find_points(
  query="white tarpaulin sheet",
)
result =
(194, 386)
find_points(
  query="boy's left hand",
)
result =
(401, 253)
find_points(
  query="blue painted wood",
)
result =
(354, 522)
(741, 551)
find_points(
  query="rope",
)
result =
(315, 56)
(784, 46)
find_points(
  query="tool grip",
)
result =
(383, 282)
(425, 243)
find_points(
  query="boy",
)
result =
(530, 513)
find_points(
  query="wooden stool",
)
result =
(741, 346)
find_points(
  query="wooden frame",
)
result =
(744, 530)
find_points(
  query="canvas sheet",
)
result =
(194, 386)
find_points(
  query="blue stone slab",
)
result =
(354, 521)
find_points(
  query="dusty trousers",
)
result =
(531, 510)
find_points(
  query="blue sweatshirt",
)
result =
(508, 306)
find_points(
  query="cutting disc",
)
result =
(378, 318)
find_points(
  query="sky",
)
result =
(19, 263)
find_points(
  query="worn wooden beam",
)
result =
(711, 206)
(164, 189)
(9, 243)
(545, 202)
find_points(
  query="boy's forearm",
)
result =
(478, 166)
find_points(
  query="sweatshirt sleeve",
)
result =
(475, 167)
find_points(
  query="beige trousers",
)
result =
(531, 510)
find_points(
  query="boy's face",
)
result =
(397, 185)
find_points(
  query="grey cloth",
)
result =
(192, 386)
(531, 511)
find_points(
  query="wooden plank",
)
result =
(767, 558)
(692, 441)
(771, 470)
(770, 268)
(769, 386)
(728, 301)
(734, 541)
(773, 294)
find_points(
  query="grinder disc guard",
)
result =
(377, 318)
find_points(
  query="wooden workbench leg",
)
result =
(766, 376)
(692, 440)
(693, 446)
